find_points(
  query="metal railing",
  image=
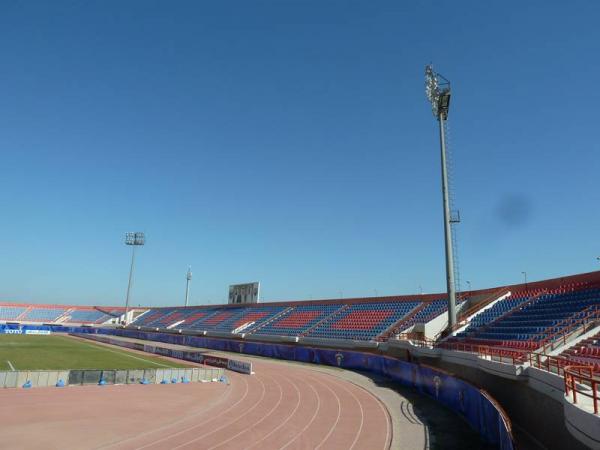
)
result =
(570, 325)
(580, 380)
(552, 364)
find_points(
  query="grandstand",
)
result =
(54, 314)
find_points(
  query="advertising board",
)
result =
(244, 293)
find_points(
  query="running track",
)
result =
(282, 406)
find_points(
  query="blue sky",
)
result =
(290, 142)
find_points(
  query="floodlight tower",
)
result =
(437, 89)
(135, 239)
(188, 278)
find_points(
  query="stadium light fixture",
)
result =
(188, 278)
(134, 239)
(437, 90)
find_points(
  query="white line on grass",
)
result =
(125, 354)
(11, 366)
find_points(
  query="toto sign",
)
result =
(11, 331)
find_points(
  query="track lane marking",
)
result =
(255, 423)
(183, 430)
(286, 420)
(341, 383)
(337, 418)
(262, 396)
(311, 420)
(200, 412)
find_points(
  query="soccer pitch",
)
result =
(23, 352)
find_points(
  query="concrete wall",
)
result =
(529, 409)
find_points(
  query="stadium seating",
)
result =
(43, 314)
(362, 321)
(11, 312)
(526, 320)
(586, 352)
(298, 320)
(84, 316)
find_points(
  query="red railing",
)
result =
(464, 315)
(502, 354)
(571, 325)
(553, 364)
(581, 380)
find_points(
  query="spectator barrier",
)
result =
(45, 378)
(195, 356)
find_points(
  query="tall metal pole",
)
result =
(130, 281)
(447, 228)
(187, 285)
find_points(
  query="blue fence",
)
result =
(465, 399)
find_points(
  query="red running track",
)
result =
(282, 406)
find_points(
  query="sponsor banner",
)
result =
(216, 361)
(12, 331)
(37, 331)
(240, 366)
(193, 356)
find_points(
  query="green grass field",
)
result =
(53, 352)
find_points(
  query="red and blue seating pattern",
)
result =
(489, 315)
(46, 314)
(531, 320)
(363, 321)
(298, 320)
(8, 312)
(233, 318)
(57, 313)
(586, 352)
(429, 311)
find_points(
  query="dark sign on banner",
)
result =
(216, 361)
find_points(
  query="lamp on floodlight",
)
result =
(437, 89)
(134, 239)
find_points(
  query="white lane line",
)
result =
(337, 419)
(362, 413)
(180, 420)
(255, 423)
(311, 419)
(248, 411)
(11, 366)
(122, 353)
(286, 420)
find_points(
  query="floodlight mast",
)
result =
(188, 278)
(135, 239)
(437, 89)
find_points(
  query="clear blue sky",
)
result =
(290, 142)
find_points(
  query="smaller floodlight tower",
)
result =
(188, 278)
(437, 89)
(135, 239)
